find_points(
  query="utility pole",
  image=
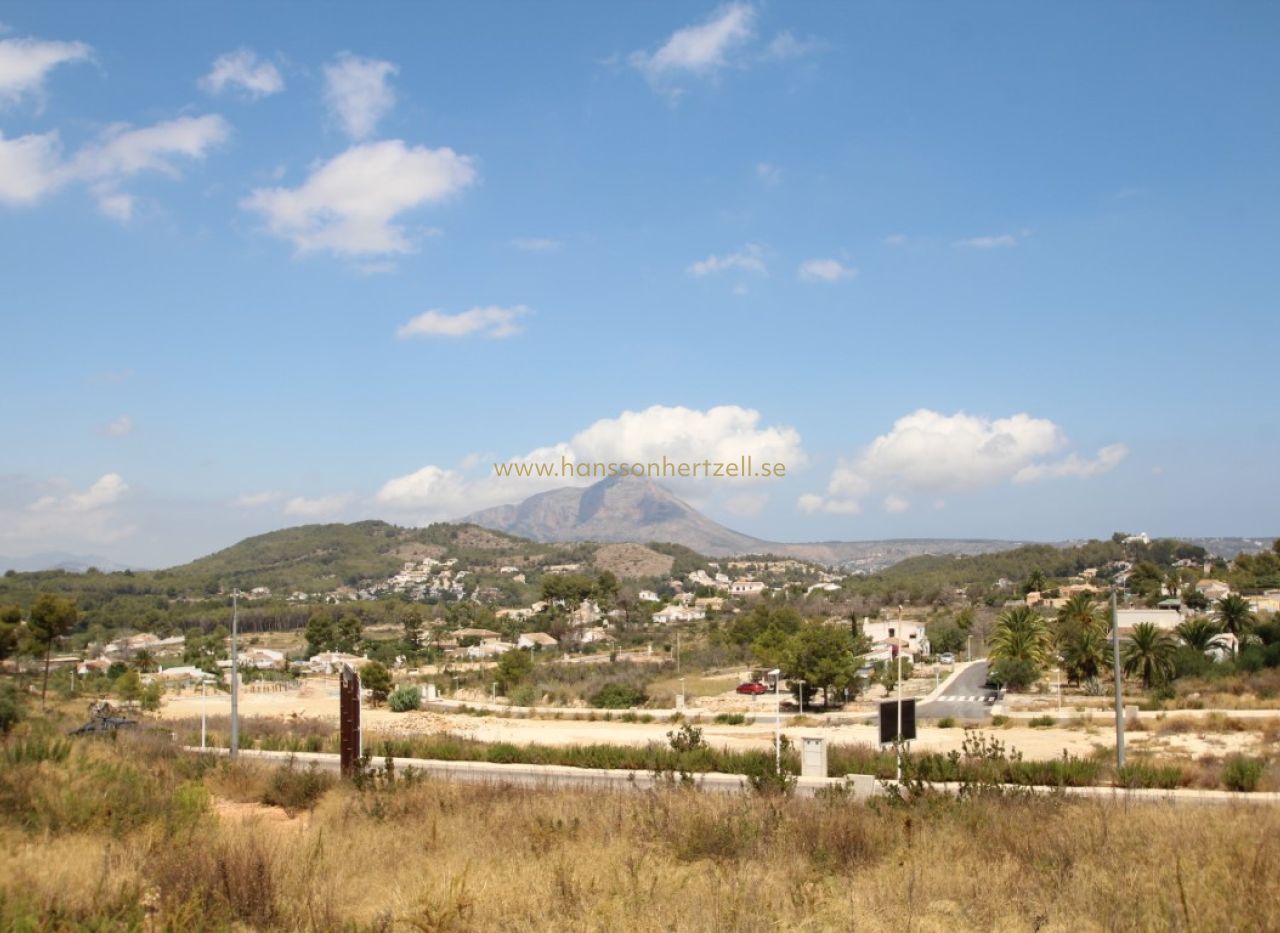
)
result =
(235, 674)
(899, 742)
(777, 719)
(678, 653)
(1115, 666)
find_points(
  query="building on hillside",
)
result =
(129, 645)
(587, 613)
(679, 614)
(907, 632)
(647, 596)
(595, 635)
(481, 635)
(518, 615)
(1164, 619)
(746, 587)
(536, 641)
(1213, 590)
(1267, 602)
(825, 587)
(488, 649)
(710, 603)
(330, 662)
(263, 659)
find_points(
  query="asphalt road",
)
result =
(965, 698)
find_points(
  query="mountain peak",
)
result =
(619, 508)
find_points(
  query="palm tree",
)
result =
(1084, 654)
(1080, 611)
(1148, 652)
(1199, 633)
(1234, 615)
(1021, 635)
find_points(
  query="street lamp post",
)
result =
(1115, 652)
(235, 674)
(776, 674)
(801, 697)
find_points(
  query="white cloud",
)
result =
(65, 517)
(722, 433)
(825, 270)
(253, 500)
(536, 244)
(106, 490)
(747, 259)
(702, 49)
(894, 504)
(32, 166)
(491, 321)
(244, 71)
(768, 173)
(314, 508)
(348, 205)
(1108, 458)
(24, 64)
(29, 168)
(358, 93)
(121, 427)
(930, 453)
(786, 46)
(998, 241)
(896, 239)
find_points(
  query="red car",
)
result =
(754, 688)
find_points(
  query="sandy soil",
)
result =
(319, 700)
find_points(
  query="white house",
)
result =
(536, 640)
(330, 662)
(1213, 590)
(647, 596)
(746, 587)
(1164, 619)
(679, 614)
(910, 632)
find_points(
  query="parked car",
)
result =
(753, 688)
(947, 658)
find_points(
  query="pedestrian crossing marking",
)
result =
(987, 698)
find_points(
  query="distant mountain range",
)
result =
(61, 560)
(638, 509)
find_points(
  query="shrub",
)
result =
(524, 695)
(1042, 722)
(686, 739)
(999, 720)
(617, 696)
(377, 680)
(1242, 773)
(947, 722)
(12, 708)
(295, 789)
(403, 699)
(730, 719)
(1145, 774)
(1014, 673)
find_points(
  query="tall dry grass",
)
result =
(435, 856)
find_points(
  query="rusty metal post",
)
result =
(349, 744)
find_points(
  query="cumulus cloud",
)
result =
(825, 270)
(24, 64)
(491, 321)
(786, 45)
(121, 427)
(254, 500)
(32, 166)
(243, 71)
(701, 49)
(928, 452)
(894, 504)
(722, 433)
(304, 507)
(349, 204)
(748, 259)
(1107, 458)
(60, 516)
(997, 241)
(358, 93)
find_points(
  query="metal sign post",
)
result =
(349, 738)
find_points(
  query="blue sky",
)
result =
(991, 270)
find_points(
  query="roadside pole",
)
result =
(777, 719)
(235, 675)
(204, 711)
(1115, 659)
(898, 745)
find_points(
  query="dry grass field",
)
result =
(133, 834)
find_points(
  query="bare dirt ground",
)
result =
(318, 700)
